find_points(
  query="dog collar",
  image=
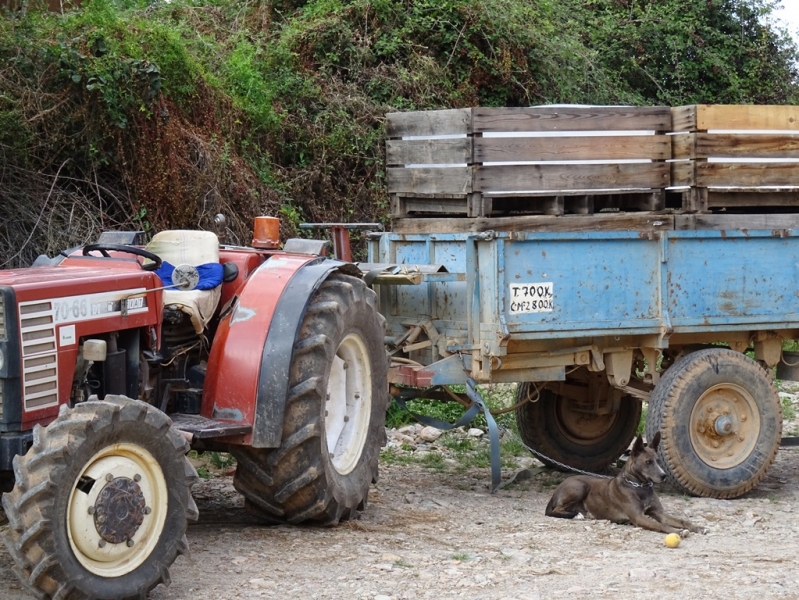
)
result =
(648, 484)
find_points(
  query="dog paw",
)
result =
(580, 517)
(701, 530)
(684, 533)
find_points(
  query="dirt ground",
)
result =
(440, 534)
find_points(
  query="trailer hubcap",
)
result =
(348, 404)
(117, 509)
(725, 424)
(582, 427)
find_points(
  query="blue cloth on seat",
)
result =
(210, 275)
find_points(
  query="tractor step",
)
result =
(203, 427)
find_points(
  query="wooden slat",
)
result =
(429, 122)
(429, 152)
(598, 222)
(733, 145)
(433, 205)
(432, 180)
(715, 174)
(519, 178)
(572, 118)
(501, 149)
(725, 199)
(683, 145)
(683, 118)
(737, 222)
(682, 173)
(702, 117)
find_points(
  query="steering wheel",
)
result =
(104, 248)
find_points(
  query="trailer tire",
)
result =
(140, 512)
(720, 422)
(546, 427)
(334, 422)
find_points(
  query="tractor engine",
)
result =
(174, 377)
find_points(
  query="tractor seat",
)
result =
(199, 249)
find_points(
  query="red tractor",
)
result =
(116, 358)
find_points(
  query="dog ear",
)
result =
(638, 446)
(655, 441)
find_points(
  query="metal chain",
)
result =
(558, 463)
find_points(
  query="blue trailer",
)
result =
(686, 306)
(592, 323)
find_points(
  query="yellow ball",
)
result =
(672, 540)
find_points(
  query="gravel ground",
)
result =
(438, 533)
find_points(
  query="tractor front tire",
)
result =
(334, 421)
(100, 504)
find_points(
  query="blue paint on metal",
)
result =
(602, 283)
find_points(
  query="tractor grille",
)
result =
(39, 358)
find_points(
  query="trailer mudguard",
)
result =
(251, 356)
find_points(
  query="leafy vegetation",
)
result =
(150, 114)
(496, 397)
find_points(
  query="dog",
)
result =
(628, 498)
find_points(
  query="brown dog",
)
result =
(627, 498)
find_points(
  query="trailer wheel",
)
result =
(334, 421)
(101, 501)
(720, 422)
(580, 440)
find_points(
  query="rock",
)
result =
(430, 434)
(577, 590)
(404, 439)
(382, 597)
(475, 433)
(641, 573)
(390, 558)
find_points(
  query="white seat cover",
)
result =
(183, 247)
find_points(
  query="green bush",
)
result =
(182, 109)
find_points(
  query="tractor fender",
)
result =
(251, 356)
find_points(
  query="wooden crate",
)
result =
(490, 161)
(734, 156)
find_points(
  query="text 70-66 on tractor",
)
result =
(116, 358)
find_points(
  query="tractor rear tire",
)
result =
(101, 501)
(334, 421)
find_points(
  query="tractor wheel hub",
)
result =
(119, 510)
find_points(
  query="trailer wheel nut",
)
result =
(130, 543)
